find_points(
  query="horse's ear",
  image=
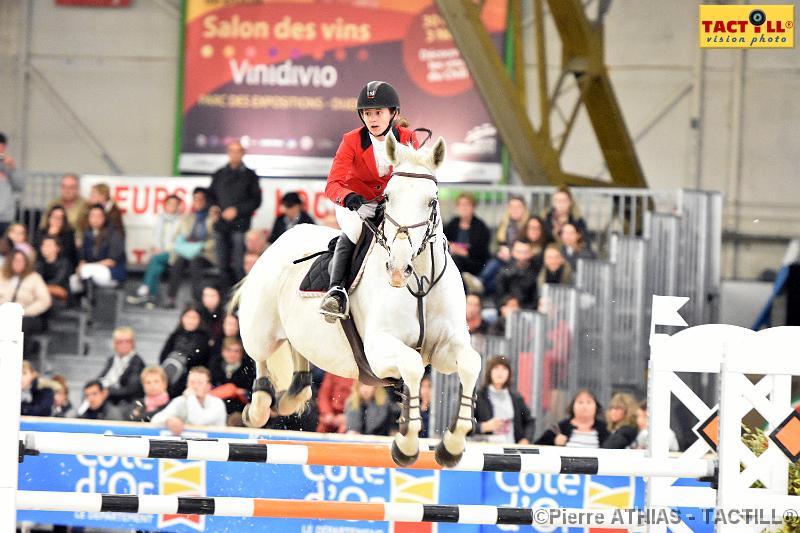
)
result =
(439, 152)
(391, 147)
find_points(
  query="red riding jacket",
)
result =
(354, 169)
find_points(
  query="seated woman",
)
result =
(155, 399)
(499, 410)
(537, 235)
(557, 270)
(573, 246)
(17, 236)
(582, 429)
(36, 400)
(212, 311)
(511, 227)
(621, 419)
(21, 284)
(57, 227)
(368, 410)
(232, 375)
(563, 211)
(54, 268)
(185, 348)
(102, 254)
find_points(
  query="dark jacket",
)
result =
(66, 240)
(41, 403)
(369, 418)
(621, 438)
(107, 244)
(523, 421)
(193, 345)
(479, 239)
(107, 411)
(212, 321)
(572, 258)
(566, 428)
(129, 386)
(235, 188)
(519, 283)
(281, 225)
(242, 378)
(55, 273)
(579, 223)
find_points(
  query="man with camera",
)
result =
(9, 183)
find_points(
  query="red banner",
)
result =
(283, 77)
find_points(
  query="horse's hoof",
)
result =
(445, 458)
(248, 421)
(401, 459)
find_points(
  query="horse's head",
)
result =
(412, 205)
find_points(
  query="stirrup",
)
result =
(331, 315)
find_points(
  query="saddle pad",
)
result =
(316, 281)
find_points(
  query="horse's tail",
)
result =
(236, 295)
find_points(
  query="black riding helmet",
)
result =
(375, 95)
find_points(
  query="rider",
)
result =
(359, 174)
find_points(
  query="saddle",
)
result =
(316, 282)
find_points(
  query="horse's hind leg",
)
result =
(256, 413)
(468, 361)
(294, 399)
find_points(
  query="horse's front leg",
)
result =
(387, 356)
(468, 365)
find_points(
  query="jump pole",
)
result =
(10, 372)
(272, 508)
(544, 461)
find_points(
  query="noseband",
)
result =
(431, 222)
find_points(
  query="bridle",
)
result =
(431, 223)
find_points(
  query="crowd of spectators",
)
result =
(203, 375)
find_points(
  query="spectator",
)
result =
(468, 236)
(368, 410)
(212, 311)
(194, 248)
(641, 442)
(232, 374)
(556, 270)
(96, 405)
(194, 407)
(17, 235)
(331, 401)
(70, 200)
(62, 406)
(255, 241)
(475, 322)
(573, 247)
(425, 404)
(293, 214)
(499, 410)
(37, 400)
(537, 235)
(621, 421)
(20, 283)
(156, 398)
(249, 262)
(230, 328)
(582, 429)
(120, 376)
(518, 278)
(56, 225)
(509, 305)
(235, 194)
(511, 226)
(9, 183)
(186, 347)
(102, 255)
(100, 194)
(163, 242)
(563, 211)
(54, 268)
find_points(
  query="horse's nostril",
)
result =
(408, 270)
(388, 268)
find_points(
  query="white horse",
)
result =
(271, 309)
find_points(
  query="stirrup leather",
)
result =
(340, 315)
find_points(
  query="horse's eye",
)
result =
(432, 203)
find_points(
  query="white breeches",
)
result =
(351, 222)
(99, 274)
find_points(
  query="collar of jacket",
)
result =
(365, 140)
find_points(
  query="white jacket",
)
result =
(188, 409)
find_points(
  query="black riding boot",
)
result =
(335, 305)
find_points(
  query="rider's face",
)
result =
(377, 120)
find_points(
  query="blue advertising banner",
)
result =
(87, 473)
